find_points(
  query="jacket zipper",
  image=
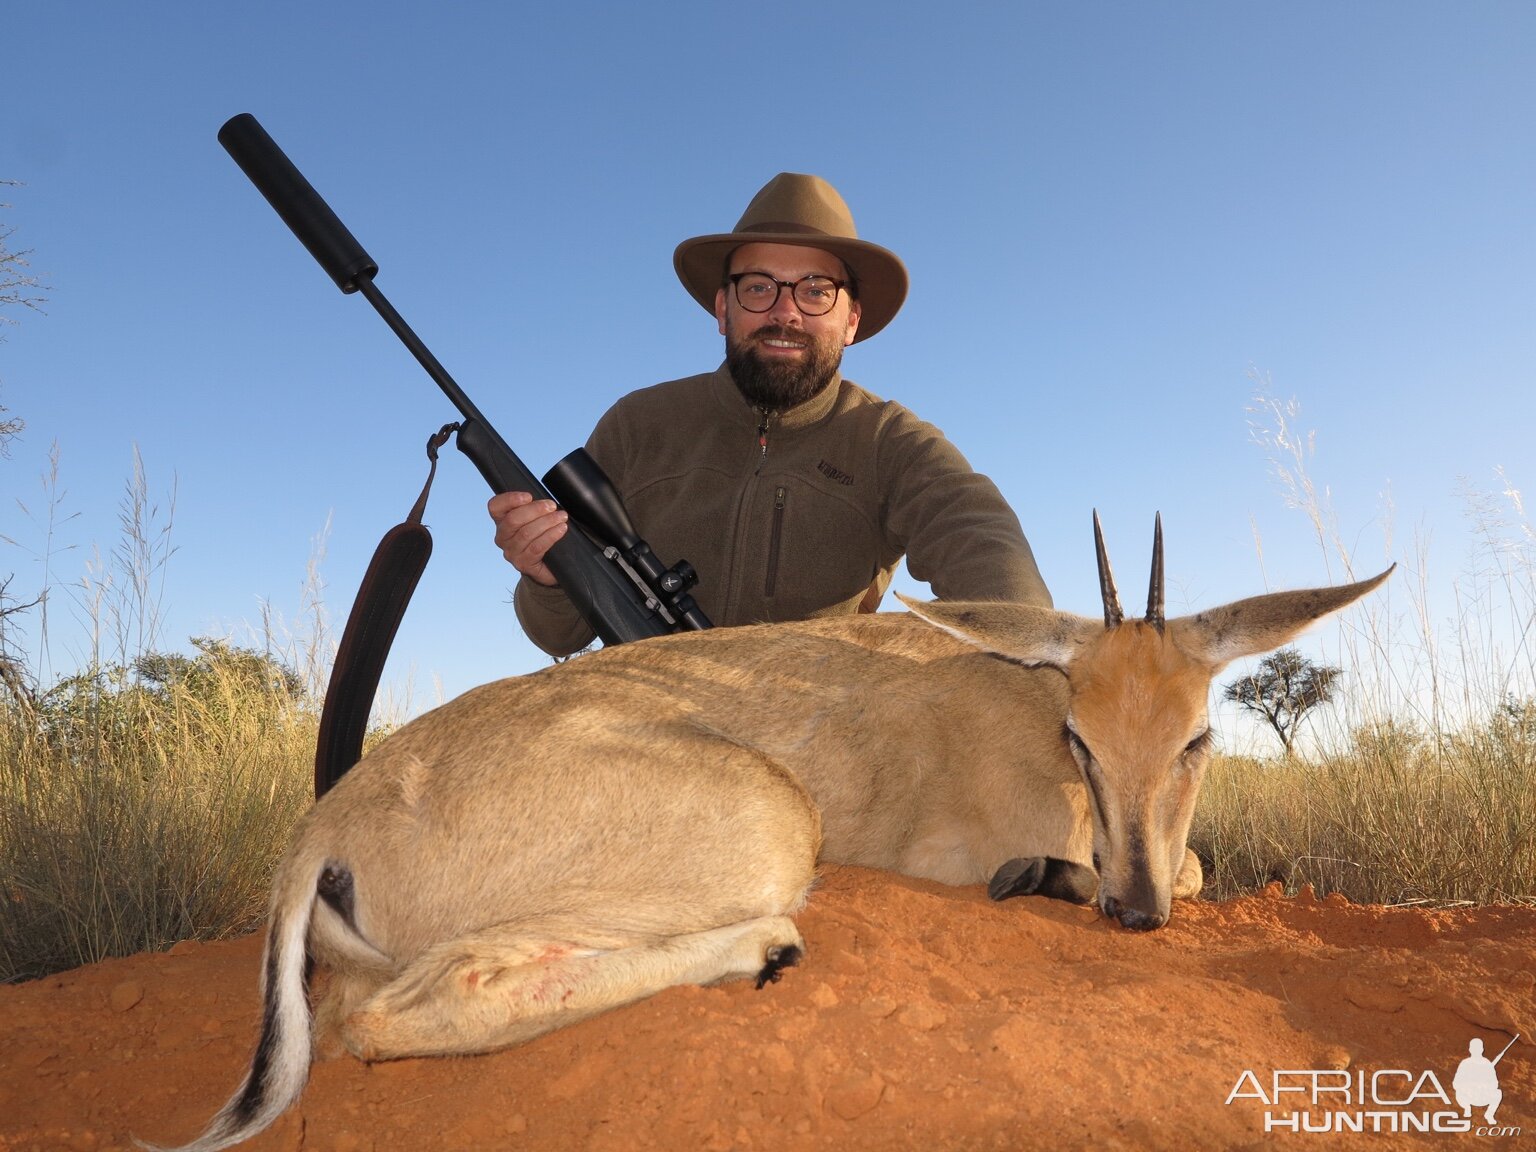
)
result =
(780, 494)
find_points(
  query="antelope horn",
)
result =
(1112, 613)
(1155, 589)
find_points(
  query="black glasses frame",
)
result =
(736, 278)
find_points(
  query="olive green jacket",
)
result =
(796, 514)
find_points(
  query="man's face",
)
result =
(782, 357)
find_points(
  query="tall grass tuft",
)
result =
(138, 810)
(1397, 817)
(145, 799)
(1419, 783)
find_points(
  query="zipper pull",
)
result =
(762, 437)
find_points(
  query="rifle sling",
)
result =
(386, 590)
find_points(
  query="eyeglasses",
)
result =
(759, 292)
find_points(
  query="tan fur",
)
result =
(546, 847)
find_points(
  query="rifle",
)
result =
(610, 574)
(1503, 1050)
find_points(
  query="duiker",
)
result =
(547, 847)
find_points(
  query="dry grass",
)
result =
(145, 799)
(1419, 783)
(1396, 818)
(133, 815)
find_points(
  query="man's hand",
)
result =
(525, 530)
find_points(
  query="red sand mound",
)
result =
(923, 1017)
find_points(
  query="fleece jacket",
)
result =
(796, 514)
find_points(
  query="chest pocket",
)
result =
(821, 548)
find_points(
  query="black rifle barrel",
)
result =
(601, 593)
(329, 241)
(296, 201)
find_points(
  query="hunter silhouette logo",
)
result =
(1382, 1100)
(1477, 1081)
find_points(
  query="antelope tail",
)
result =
(280, 1065)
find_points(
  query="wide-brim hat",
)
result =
(805, 211)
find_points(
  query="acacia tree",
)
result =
(1284, 690)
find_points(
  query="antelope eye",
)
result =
(1199, 745)
(1075, 742)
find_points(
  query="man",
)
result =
(1476, 1083)
(791, 490)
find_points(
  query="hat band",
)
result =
(805, 229)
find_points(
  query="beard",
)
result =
(775, 385)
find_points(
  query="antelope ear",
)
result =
(1019, 632)
(1262, 623)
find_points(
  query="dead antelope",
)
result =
(547, 847)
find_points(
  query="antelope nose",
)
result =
(1133, 918)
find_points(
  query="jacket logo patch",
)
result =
(834, 473)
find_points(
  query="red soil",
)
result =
(923, 1017)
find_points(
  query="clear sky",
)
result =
(1115, 216)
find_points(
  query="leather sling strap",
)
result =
(391, 578)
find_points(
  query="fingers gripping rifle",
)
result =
(610, 574)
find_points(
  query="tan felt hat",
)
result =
(806, 211)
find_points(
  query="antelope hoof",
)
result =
(1045, 876)
(775, 960)
(1021, 876)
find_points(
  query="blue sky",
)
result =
(1114, 215)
